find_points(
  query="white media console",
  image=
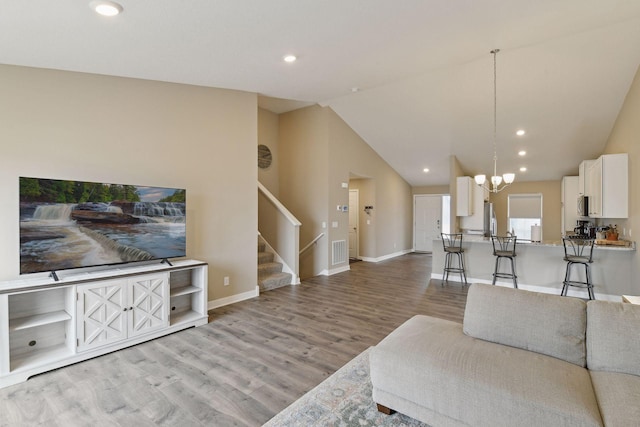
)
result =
(47, 324)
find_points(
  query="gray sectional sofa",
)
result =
(520, 358)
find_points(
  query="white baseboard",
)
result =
(221, 302)
(335, 271)
(366, 259)
(386, 257)
(535, 288)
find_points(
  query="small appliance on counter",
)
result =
(584, 230)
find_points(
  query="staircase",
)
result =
(270, 275)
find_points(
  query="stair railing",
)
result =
(311, 243)
(281, 230)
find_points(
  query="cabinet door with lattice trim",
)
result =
(101, 313)
(148, 308)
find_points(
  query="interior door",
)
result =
(427, 214)
(354, 210)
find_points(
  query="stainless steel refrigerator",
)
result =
(490, 222)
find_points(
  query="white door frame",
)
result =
(415, 196)
(356, 210)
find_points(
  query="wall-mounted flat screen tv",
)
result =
(73, 224)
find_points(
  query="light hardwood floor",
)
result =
(251, 361)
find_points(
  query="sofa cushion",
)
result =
(618, 396)
(543, 323)
(613, 337)
(432, 363)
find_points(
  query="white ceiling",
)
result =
(423, 67)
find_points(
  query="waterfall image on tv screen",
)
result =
(72, 224)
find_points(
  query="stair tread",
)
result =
(277, 275)
(274, 281)
(268, 265)
(265, 257)
(269, 268)
(270, 274)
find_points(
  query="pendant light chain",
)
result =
(495, 113)
(494, 183)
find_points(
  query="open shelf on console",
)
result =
(36, 345)
(40, 357)
(40, 326)
(38, 320)
(187, 295)
(184, 316)
(176, 292)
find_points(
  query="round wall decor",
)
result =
(264, 157)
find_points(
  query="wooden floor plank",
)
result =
(252, 360)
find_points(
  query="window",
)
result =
(524, 210)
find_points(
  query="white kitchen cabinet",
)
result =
(47, 324)
(464, 196)
(569, 206)
(583, 170)
(475, 221)
(608, 191)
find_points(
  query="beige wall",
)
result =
(625, 138)
(319, 152)
(304, 187)
(76, 126)
(551, 205)
(391, 219)
(268, 135)
(432, 189)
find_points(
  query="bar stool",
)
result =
(505, 247)
(578, 251)
(452, 244)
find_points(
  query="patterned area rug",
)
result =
(342, 400)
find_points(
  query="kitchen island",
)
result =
(540, 267)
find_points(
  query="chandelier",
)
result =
(496, 180)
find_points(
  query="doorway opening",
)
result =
(430, 218)
(354, 225)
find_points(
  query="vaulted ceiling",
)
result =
(414, 78)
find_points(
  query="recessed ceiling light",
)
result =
(425, 170)
(520, 132)
(290, 58)
(523, 169)
(106, 8)
(522, 153)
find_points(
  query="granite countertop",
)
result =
(473, 238)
